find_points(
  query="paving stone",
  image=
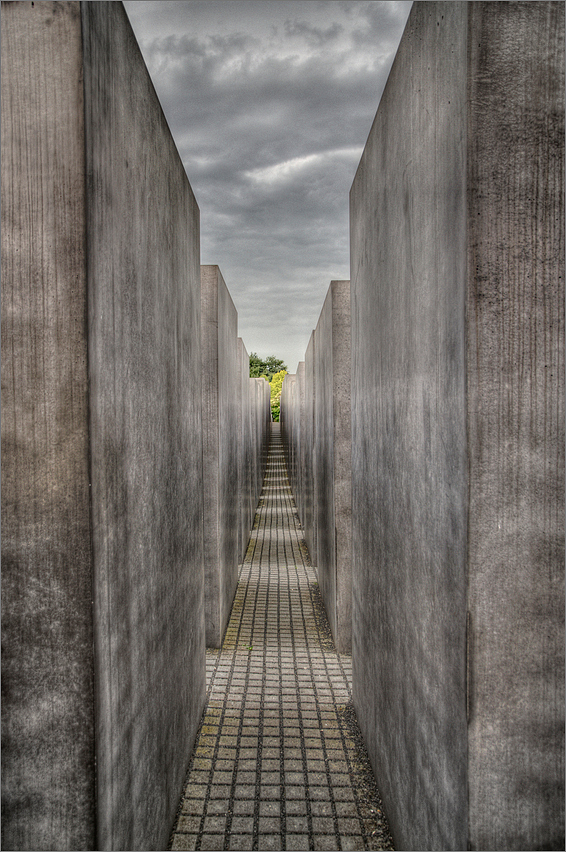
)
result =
(186, 842)
(269, 809)
(322, 825)
(271, 702)
(268, 842)
(213, 824)
(243, 824)
(294, 792)
(243, 807)
(355, 842)
(241, 842)
(192, 806)
(297, 824)
(325, 842)
(189, 824)
(217, 806)
(212, 842)
(297, 842)
(269, 792)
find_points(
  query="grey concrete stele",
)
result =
(321, 460)
(254, 428)
(220, 451)
(332, 462)
(457, 270)
(102, 575)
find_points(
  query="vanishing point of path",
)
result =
(278, 762)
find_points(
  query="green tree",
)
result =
(275, 385)
(265, 368)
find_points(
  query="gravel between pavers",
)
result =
(279, 761)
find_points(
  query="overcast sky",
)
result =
(270, 103)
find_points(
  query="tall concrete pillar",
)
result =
(102, 541)
(457, 266)
(309, 522)
(220, 451)
(332, 462)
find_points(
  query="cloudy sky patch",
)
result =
(270, 103)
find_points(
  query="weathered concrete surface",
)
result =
(309, 510)
(288, 428)
(261, 408)
(145, 361)
(332, 462)
(48, 754)
(300, 431)
(515, 309)
(245, 451)
(457, 417)
(220, 451)
(103, 354)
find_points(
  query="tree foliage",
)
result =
(276, 385)
(265, 367)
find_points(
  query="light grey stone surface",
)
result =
(102, 523)
(220, 451)
(457, 441)
(332, 462)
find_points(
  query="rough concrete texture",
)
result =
(288, 428)
(48, 755)
(299, 486)
(261, 402)
(332, 462)
(101, 221)
(515, 309)
(309, 484)
(457, 429)
(146, 451)
(246, 509)
(220, 451)
(254, 426)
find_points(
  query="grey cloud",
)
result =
(314, 36)
(284, 87)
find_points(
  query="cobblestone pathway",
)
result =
(278, 762)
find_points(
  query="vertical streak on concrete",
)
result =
(516, 424)
(48, 774)
(219, 336)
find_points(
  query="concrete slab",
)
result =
(332, 461)
(220, 451)
(48, 759)
(102, 527)
(310, 523)
(245, 451)
(457, 322)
